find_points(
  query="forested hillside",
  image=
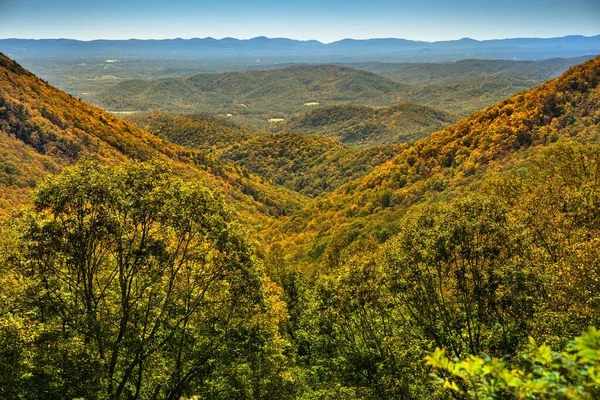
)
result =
(476, 275)
(45, 129)
(367, 126)
(465, 86)
(449, 161)
(255, 95)
(307, 164)
(198, 131)
(445, 268)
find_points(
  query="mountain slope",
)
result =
(197, 131)
(367, 126)
(45, 129)
(307, 164)
(448, 161)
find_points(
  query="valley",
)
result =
(274, 218)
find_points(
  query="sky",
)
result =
(323, 20)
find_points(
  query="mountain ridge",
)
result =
(263, 38)
(295, 50)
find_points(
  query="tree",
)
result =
(460, 273)
(149, 281)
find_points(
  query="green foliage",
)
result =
(556, 198)
(197, 131)
(365, 126)
(141, 286)
(478, 274)
(545, 374)
(463, 273)
(252, 96)
(304, 163)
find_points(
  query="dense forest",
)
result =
(306, 164)
(187, 256)
(254, 97)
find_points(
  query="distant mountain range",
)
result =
(281, 50)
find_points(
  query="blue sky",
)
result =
(309, 19)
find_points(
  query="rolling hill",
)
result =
(449, 73)
(566, 109)
(368, 126)
(279, 94)
(257, 95)
(465, 86)
(465, 96)
(44, 129)
(308, 164)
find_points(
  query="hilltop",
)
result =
(368, 126)
(44, 129)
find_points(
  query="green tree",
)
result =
(149, 281)
(461, 274)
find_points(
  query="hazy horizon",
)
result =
(431, 20)
(291, 38)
